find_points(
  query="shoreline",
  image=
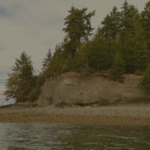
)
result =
(124, 115)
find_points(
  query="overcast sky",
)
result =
(35, 26)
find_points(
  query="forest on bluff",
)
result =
(120, 45)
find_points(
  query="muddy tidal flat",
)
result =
(105, 115)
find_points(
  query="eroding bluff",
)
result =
(95, 89)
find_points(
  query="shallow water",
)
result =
(72, 137)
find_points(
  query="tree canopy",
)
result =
(78, 28)
(21, 81)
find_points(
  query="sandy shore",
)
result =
(110, 115)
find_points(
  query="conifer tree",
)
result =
(117, 68)
(57, 61)
(140, 48)
(46, 64)
(129, 15)
(145, 81)
(146, 22)
(78, 28)
(96, 54)
(111, 25)
(21, 81)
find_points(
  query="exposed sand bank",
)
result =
(110, 115)
(93, 89)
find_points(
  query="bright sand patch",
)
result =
(109, 115)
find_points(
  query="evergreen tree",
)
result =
(78, 29)
(96, 55)
(146, 22)
(127, 52)
(110, 34)
(117, 68)
(140, 48)
(145, 81)
(21, 81)
(57, 61)
(111, 25)
(46, 64)
(129, 15)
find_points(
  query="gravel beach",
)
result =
(105, 115)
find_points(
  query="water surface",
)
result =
(72, 137)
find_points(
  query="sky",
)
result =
(34, 26)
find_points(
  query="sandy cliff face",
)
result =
(74, 89)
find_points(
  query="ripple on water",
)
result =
(61, 136)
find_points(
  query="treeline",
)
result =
(120, 45)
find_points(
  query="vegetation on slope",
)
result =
(120, 45)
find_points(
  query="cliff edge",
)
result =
(94, 89)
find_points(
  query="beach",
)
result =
(105, 115)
